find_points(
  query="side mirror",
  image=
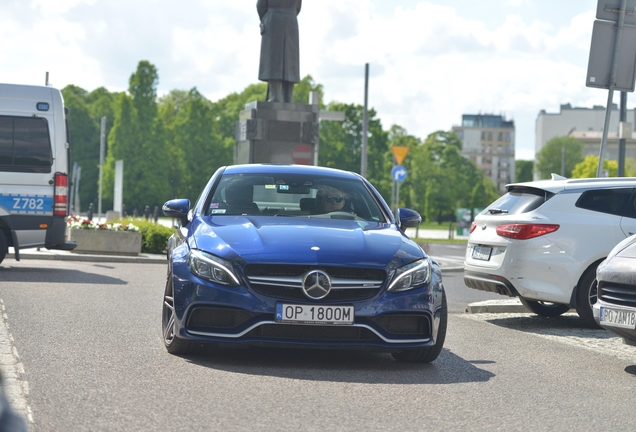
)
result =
(177, 209)
(408, 218)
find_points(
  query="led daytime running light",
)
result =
(216, 264)
(407, 273)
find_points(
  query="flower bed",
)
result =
(95, 238)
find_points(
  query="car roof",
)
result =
(558, 183)
(290, 169)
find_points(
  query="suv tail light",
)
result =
(472, 227)
(525, 231)
(60, 198)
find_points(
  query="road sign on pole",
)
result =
(400, 153)
(398, 173)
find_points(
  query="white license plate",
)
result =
(618, 318)
(314, 314)
(482, 253)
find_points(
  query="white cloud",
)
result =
(431, 61)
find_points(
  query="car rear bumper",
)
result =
(489, 282)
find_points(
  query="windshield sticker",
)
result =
(270, 186)
(284, 187)
(214, 205)
(218, 211)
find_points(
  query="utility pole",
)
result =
(621, 140)
(365, 123)
(102, 143)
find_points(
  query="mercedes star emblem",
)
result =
(316, 284)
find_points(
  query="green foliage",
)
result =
(304, 88)
(587, 168)
(441, 179)
(341, 145)
(524, 170)
(154, 236)
(84, 133)
(550, 157)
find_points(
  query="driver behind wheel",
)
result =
(329, 199)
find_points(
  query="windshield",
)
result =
(293, 195)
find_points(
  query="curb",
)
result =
(70, 256)
(496, 306)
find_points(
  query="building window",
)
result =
(500, 136)
(489, 136)
(483, 135)
(508, 136)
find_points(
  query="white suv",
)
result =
(543, 240)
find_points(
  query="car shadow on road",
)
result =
(342, 366)
(51, 275)
(569, 324)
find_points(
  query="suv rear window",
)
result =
(25, 144)
(519, 200)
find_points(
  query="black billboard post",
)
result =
(612, 63)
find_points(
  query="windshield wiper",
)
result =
(497, 211)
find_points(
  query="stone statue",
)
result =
(279, 65)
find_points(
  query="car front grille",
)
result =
(618, 294)
(285, 282)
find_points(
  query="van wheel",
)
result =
(586, 296)
(3, 246)
(545, 309)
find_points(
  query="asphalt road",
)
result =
(90, 357)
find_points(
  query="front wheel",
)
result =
(545, 309)
(173, 344)
(586, 296)
(428, 354)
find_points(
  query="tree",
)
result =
(304, 88)
(84, 133)
(550, 157)
(123, 142)
(524, 170)
(204, 149)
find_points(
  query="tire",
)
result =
(4, 248)
(428, 354)
(545, 309)
(173, 344)
(586, 296)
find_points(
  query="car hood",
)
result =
(304, 241)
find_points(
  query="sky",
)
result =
(429, 61)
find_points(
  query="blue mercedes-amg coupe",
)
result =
(299, 256)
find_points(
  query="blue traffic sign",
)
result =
(398, 173)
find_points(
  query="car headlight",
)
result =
(212, 268)
(411, 276)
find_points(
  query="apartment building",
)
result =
(489, 141)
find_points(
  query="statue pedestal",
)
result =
(276, 132)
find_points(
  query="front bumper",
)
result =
(210, 313)
(628, 334)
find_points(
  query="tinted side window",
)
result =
(25, 145)
(612, 201)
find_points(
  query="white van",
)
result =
(34, 169)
